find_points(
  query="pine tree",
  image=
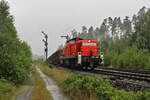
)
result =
(127, 28)
(6, 20)
(104, 29)
(90, 32)
(142, 30)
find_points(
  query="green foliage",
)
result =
(15, 59)
(108, 56)
(131, 58)
(143, 95)
(5, 86)
(102, 88)
(123, 95)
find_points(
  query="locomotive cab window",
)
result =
(72, 41)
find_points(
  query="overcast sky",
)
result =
(59, 17)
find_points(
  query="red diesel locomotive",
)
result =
(78, 53)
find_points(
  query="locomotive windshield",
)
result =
(89, 44)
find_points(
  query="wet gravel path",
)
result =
(26, 95)
(51, 86)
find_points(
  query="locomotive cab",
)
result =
(89, 54)
(89, 47)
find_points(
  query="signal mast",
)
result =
(46, 44)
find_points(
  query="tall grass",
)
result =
(56, 74)
(6, 90)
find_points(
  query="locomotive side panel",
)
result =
(72, 48)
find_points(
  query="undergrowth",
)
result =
(101, 88)
(6, 89)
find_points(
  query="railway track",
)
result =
(124, 74)
(127, 79)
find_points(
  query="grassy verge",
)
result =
(9, 91)
(6, 90)
(81, 87)
(39, 91)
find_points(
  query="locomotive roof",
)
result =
(74, 39)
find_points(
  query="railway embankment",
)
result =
(82, 87)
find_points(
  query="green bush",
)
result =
(108, 57)
(6, 89)
(135, 59)
(123, 95)
(5, 86)
(96, 85)
(143, 95)
(102, 88)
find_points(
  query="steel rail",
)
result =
(125, 74)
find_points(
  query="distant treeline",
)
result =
(15, 55)
(126, 43)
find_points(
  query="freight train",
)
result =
(78, 53)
